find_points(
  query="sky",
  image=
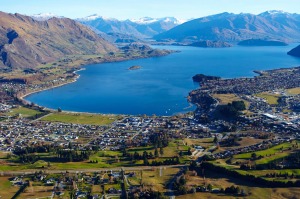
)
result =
(133, 9)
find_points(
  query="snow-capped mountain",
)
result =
(274, 12)
(230, 27)
(149, 20)
(94, 17)
(145, 27)
(44, 16)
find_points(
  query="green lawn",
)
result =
(81, 118)
(25, 112)
(271, 151)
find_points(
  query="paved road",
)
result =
(139, 168)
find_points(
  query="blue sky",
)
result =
(124, 9)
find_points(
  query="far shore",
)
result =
(56, 86)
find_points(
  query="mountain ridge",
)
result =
(27, 43)
(231, 27)
(145, 27)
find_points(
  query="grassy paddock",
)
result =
(6, 189)
(25, 112)
(271, 151)
(271, 98)
(226, 98)
(293, 91)
(37, 192)
(157, 182)
(78, 118)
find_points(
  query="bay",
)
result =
(162, 84)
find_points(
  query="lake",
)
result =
(162, 84)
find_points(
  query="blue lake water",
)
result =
(160, 87)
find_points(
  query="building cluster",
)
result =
(267, 81)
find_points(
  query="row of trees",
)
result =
(250, 177)
(73, 155)
(169, 161)
(137, 156)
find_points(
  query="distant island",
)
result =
(134, 67)
(260, 42)
(295, 52)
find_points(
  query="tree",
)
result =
(161, 151)
(193, 165)
(145, 154)
(239, 105)
(136, 156)
(156, 153)
(209, 187)
(215, 139)
(180, 153)
(146, 162)
(253, 156)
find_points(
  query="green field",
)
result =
(273, 151)
(78, 118)
(101, 159)
(269, 155)
(272, 99)
(25, 112)
(170, 151)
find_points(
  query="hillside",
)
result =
(229, 27)
(295, 51)
(260, 42)
(27, 43)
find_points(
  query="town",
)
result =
(239, 127)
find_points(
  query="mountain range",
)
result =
(26, 42)
(229, 27)
(145, 27)
(226, 27)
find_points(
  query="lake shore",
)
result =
(168, 73)
(22, 96)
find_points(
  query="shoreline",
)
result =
(26, 102)
(51, 87)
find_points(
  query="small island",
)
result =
(134, 67)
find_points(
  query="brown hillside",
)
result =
(26, 43)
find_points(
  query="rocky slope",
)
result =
(229, 27)
(27, 43)
(295, 51)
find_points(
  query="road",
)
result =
(139, 168)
